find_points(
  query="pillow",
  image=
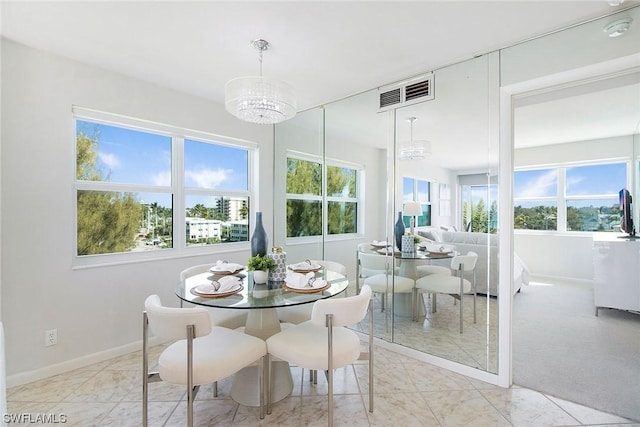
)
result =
(430, 234)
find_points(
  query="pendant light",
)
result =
(413, 150)
(258, 99)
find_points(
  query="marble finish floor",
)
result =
(407, 392)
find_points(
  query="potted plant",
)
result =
(260, 265)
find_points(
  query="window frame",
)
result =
(324, 199)
(415, 197)
(177, 189)
(561, 199)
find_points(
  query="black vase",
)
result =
(399, 231)
(259, 239)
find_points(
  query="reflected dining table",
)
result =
(261, 301)
(404, 305)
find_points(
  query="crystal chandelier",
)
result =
(259, 99)
(414, 150)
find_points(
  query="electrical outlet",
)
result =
(50, 337)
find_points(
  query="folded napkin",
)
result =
(304, 265)
(380, 243)
(226, 266)
(224, 284)
(303, 281)
(437, 247)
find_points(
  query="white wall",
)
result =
(94, 309)
(564, 254)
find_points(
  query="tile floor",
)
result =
(407, 393)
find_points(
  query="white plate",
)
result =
(317, 285)
(208, 289)
(305, 268)
(225, 270)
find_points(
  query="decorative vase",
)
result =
(408, 245)
(279, 258)
(259, 239)
(399, 231)
(260, 277)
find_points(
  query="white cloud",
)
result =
(111, 160)
(540, 186)
(162, 179)
(208, 178)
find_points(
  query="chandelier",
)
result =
(413, 150)
(258, 99)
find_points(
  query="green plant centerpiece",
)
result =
(260, 263)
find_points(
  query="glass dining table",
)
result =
(261, 302)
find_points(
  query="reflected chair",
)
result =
(385, 282)
(301, 313)
(200, 354)
(370, 267)
(231, 318)
(456, 286)
(324, 343)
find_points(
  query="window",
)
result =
(416, 190)
(150, 189)
(309, 196)
(536, 199)
(569, 198)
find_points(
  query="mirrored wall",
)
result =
(339, 170)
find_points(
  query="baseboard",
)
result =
(80, 362)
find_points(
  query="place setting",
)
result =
(224, 268)
(437, 250)
(222, 287)
(380, 244)
(305, 266)
(305, 283)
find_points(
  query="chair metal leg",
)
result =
(145, 369)
(269, 382)
(215, 389)
(474, 296)
(330, 368)
(190, 391)
(371, 355)
(263, 384)
(461, 290)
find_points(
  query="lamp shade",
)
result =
(258, 99)
(412, 209)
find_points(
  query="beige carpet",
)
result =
(561, 348)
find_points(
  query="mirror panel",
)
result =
(298, 163)
(457, 187)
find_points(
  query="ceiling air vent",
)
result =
(407, 92)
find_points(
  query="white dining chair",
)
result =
(231, 318)
(387, 281)
(301, 313)
(456, 285)
(324, 343)
(200, 354)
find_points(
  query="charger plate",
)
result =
(216, 295)
(307, 270)
(306, 291)
(225, 272)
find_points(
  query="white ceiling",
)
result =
(327, 50)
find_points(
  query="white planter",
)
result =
(260, 276)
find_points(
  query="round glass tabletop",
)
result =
(251, 295)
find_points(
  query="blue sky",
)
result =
(135, 157)
(581, 180)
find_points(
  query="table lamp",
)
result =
(412, 209)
